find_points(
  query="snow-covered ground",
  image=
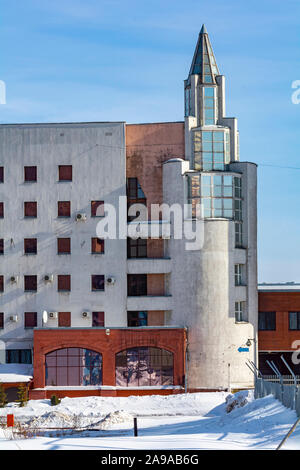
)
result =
(194, 421)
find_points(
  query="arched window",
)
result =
(144, 366)
(73, 366)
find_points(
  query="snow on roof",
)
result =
(279, 286)
(14, 373)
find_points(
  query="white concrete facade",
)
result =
(97, 155)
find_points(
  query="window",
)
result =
(238, 234)
(1, 283)
(267, 321)
(30, 319)
(209, 105)
(1, 210)
(30, 283)
(64, 282)
(30, 209)
(238, 268)
(97, 208)
(137, 284)
(215, 192)
(211, 149)
(1, 246)
(97, 282)
(294, 320)
(1, 320)
(64, 246)
(64, 319)
(134, 190)
(187, 102)
(98, 319)
(240, 312)
(137, 318)
(30, 246)
(73, 366)
(136, 248)
(144, 366)
(1, 174)
(30, 174)
(64, 209)
(18, 356)
(97, 246)
(65, 172)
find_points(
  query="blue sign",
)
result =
(243, 349)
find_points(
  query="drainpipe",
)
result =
(186, 363)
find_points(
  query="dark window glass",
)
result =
(1, 246)
(65, 172)
(97, 208)
(1, 320)
(18, 356)
(30, 209)
(98, 319)
(1, 174)
(136, 248)
(98, 245)
(294, 320)
(64, 209)
(134, 189)
(30, 173)
(267, 320)
(64, 319)
(30, 246)
(144, 366)
(30, 319)
(137, 318)
(1, 210)
(137, 284)
(64, 246)
(97, 282)
(1, 283)
(63, 282)
(30, 283)
(73, 366)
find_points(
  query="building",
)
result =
(127, 315)
(279, 327)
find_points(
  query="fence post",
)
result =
(135, 427)
(10, 421)
(295, 381)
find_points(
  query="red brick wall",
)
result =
(147, 147)
(47, 340)
(281, 303)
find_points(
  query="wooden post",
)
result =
(135, 427)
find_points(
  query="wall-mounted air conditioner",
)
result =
(80, 217)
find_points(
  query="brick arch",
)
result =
(68, 345)
(146, 345)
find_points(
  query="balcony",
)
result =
(150, 302)
(149, 265)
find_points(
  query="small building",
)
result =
(279, 326)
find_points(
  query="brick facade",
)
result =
(47, 340)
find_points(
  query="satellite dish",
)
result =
(45, 316)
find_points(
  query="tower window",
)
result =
(211, 150)
(209, 106)
(240, 312)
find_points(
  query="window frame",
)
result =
(95, 320)
(26, 252)
(297, 321)
(33, 323)
(274, 320)
(65, 281)
(63, 172)
(33, 279)
(33, 208)
(27, 171)
(61, 246)
(63, 209)
(102, 280)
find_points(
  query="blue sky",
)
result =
(106, 60)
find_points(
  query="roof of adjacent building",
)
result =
(279, 287)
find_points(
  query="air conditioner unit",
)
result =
(14, 318)
(80, 217)
(53, 315)
(85, 314)
(48, 278)
(110, 280)
(14, 279)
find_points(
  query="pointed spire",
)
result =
(204, 63)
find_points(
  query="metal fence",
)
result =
(289, 395)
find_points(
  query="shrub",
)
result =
(22, 395)
(3, 397)
(55, 400)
